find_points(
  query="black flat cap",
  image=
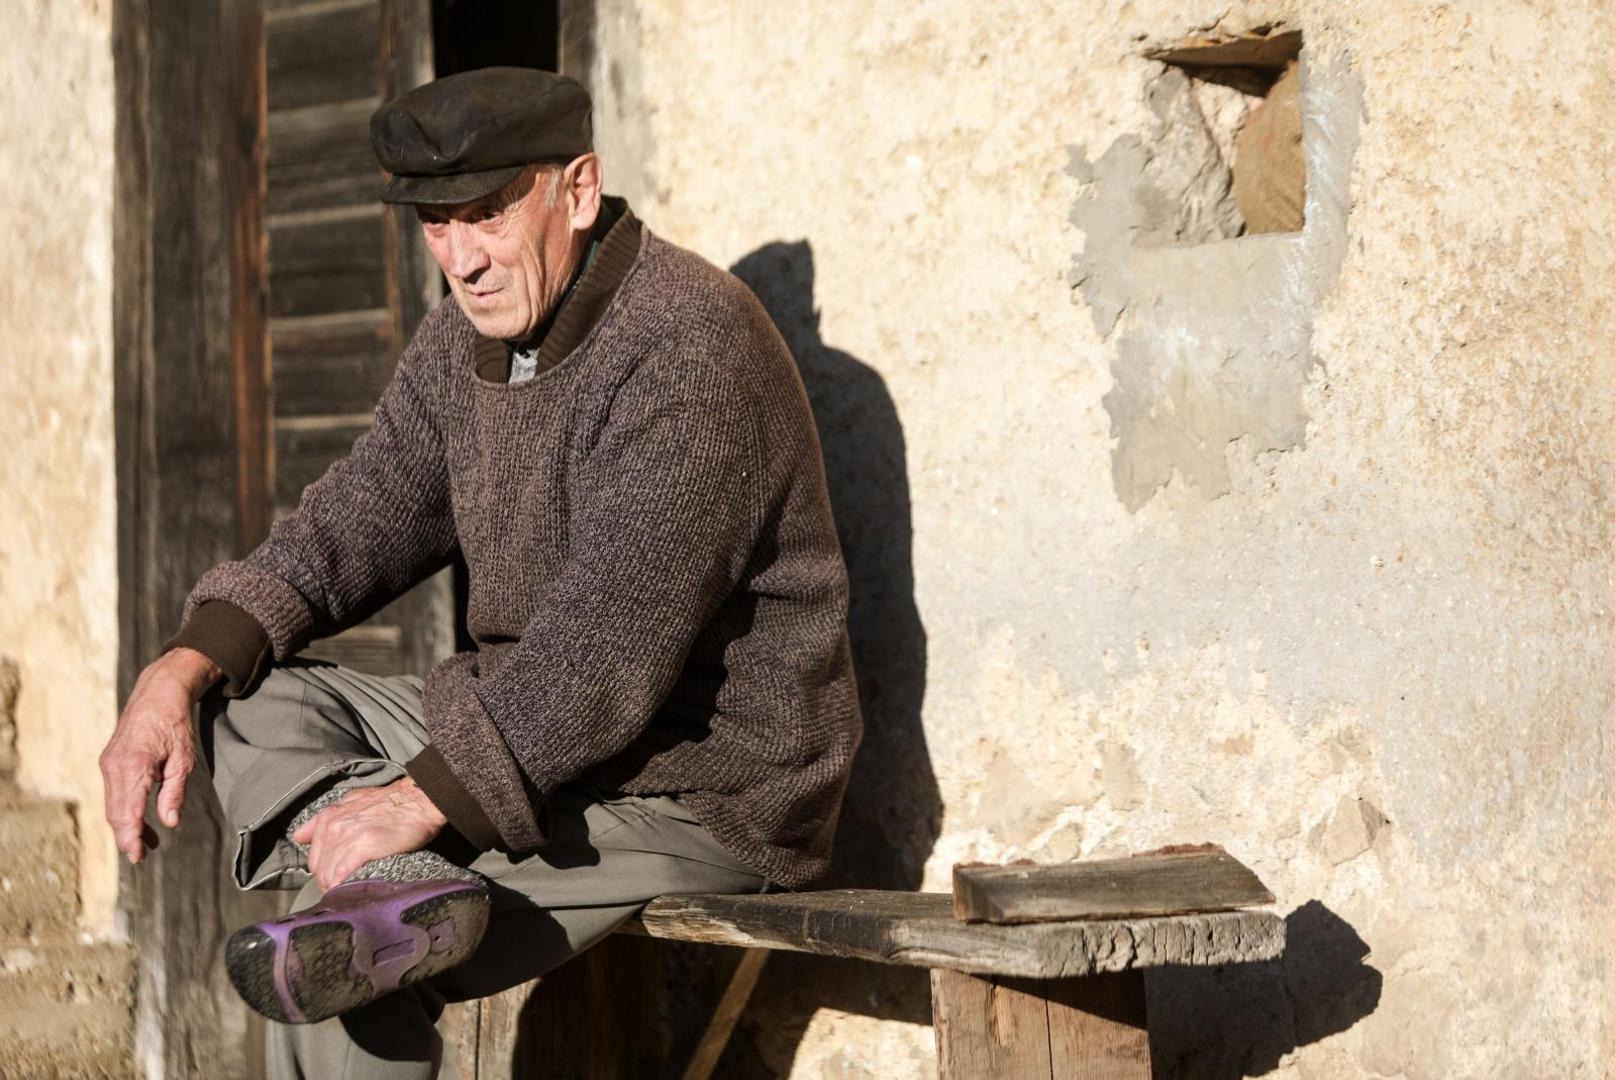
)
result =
(464, 136)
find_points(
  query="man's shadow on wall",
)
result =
(892, 812)
(1223, 1023)
(1240, 1020)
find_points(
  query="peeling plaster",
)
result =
(1214, 338)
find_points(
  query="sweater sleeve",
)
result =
(378, 521)
(665, 513)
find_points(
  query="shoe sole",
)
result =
(316, 964)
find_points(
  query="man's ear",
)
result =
(583, 181)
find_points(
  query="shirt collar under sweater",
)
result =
(618, 234)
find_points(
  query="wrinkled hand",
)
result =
(368, 823)
(154, 744)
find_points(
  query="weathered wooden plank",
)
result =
(499, 1020)
(303, 454)
(458, 1027)
(593, 1018)
(1098, 1027)
(327, 267)
(320, 157)
(335, 369)
(1204, 879)
(322, 55)
(918, 929)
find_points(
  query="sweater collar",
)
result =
(617, 236)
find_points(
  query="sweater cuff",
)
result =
(232, 639)
(433, 775)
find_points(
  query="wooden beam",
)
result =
(1020, 1029)
(246, 179)
(1098, 1027)
(918, 929)
(1173, 883)
(986, 1026)
(726, 1015)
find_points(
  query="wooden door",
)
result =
(348, 278)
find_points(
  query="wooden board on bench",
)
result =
(1168, 882)
(919, 929)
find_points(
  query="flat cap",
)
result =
(467, 135)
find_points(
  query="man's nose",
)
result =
(467, 257)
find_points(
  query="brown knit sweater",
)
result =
(656, 590)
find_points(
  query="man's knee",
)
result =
(265, 714)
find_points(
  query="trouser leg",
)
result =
(307, 727)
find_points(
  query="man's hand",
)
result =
(154, 744)
(366, 824)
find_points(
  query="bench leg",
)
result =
(726, 1015)
(1083, 1029)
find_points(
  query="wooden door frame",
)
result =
(191, 401)
(188, 355)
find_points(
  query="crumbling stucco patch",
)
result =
(1214, 337)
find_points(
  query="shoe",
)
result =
(362, 940)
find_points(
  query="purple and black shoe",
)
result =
(362, 940)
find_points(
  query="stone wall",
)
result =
(1296, 543)
(58, 558)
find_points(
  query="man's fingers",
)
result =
(323, 863)
(334, 870)
(171, 796)
(127, 789)
(305, 831)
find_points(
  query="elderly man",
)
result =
(612, 434)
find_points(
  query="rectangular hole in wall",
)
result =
(1247, 91)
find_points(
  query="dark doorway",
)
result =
(471, 34)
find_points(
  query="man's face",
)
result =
(508, 256)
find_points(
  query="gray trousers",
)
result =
(310, 725)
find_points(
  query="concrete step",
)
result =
(66, 1010)
(38, 867)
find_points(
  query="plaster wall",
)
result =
(58, 558)
(1341, 602)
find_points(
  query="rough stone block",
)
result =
(65, 1010)
(38, 868)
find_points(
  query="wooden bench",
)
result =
(1035, 971)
